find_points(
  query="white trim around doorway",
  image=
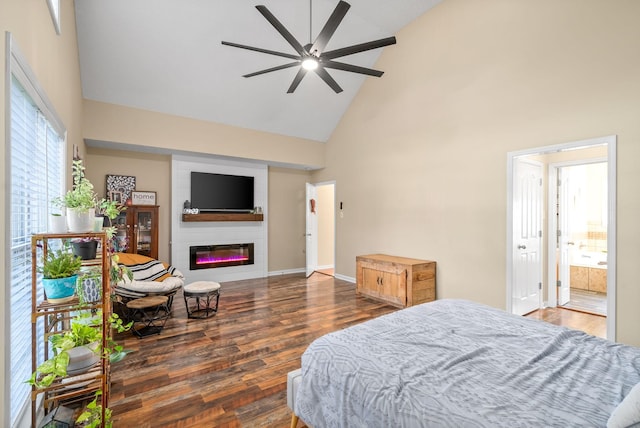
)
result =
(610, 142)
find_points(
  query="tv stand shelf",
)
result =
(223, 217)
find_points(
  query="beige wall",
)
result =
(54, 60)
(124, 125)
(152, 172)
(287, 219)
(423, 174)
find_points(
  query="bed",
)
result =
(455, 363)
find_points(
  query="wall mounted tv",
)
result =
(221, 192)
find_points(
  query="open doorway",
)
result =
(557, 239)
(582, 234)
(320, 217)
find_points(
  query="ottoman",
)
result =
(202, 293)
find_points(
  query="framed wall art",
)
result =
(124, 184)
(143, 198)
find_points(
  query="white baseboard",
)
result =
(345, 278)
(286, 272)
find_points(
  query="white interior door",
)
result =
(527, 236)
(564, 234)
(311, 230)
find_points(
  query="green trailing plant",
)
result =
(119, 272)
(80, 334)
(60, 263)
(111, 210)
(91, 417)
(82, 197)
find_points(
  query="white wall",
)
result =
(186, 234)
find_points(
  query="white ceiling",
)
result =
(166, 56)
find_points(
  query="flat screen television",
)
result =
(221, 192)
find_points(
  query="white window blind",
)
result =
(37, 153)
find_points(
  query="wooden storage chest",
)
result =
(400, 281)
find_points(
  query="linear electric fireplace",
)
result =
(215, 256)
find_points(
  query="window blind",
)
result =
(37, 176)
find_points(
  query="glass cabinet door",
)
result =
(144, 230)
(143, 227)
(121, 242)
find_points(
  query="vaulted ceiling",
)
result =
(166, 56)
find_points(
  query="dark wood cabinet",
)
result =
(137, 230)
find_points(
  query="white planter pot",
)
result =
(57, 224)
(79, 222)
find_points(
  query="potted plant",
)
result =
(110, 210)
(59, 269)
(91, 417)
(78, 349)
(89, 285)
(79, 202)
(57, 223)
(85, 248)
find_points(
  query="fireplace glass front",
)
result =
(215, 256)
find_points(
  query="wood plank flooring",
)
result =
(230, 370)
(595, 325)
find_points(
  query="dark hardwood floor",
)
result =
(230, 370)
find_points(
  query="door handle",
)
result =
(307, 234)
(571, 243)
(522, 247)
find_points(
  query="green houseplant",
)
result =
(89, 285)
(59, 273)
(81, 335)
(80, 201)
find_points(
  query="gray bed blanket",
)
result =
(455, 363)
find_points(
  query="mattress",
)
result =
(455, 363)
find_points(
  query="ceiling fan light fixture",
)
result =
(313, 57)
(310, 64)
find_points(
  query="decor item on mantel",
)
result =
(80, 201)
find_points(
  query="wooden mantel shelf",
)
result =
(223, 217)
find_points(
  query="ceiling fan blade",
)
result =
(267, 51)
(296, 80)
(320, 71)
(350, 50)
(281, 29)
(268, 70)
(330, 27)
(352, 68)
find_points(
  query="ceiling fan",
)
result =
(313, 57)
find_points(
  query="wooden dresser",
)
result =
(399, 281)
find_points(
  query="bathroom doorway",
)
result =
(581, 210)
